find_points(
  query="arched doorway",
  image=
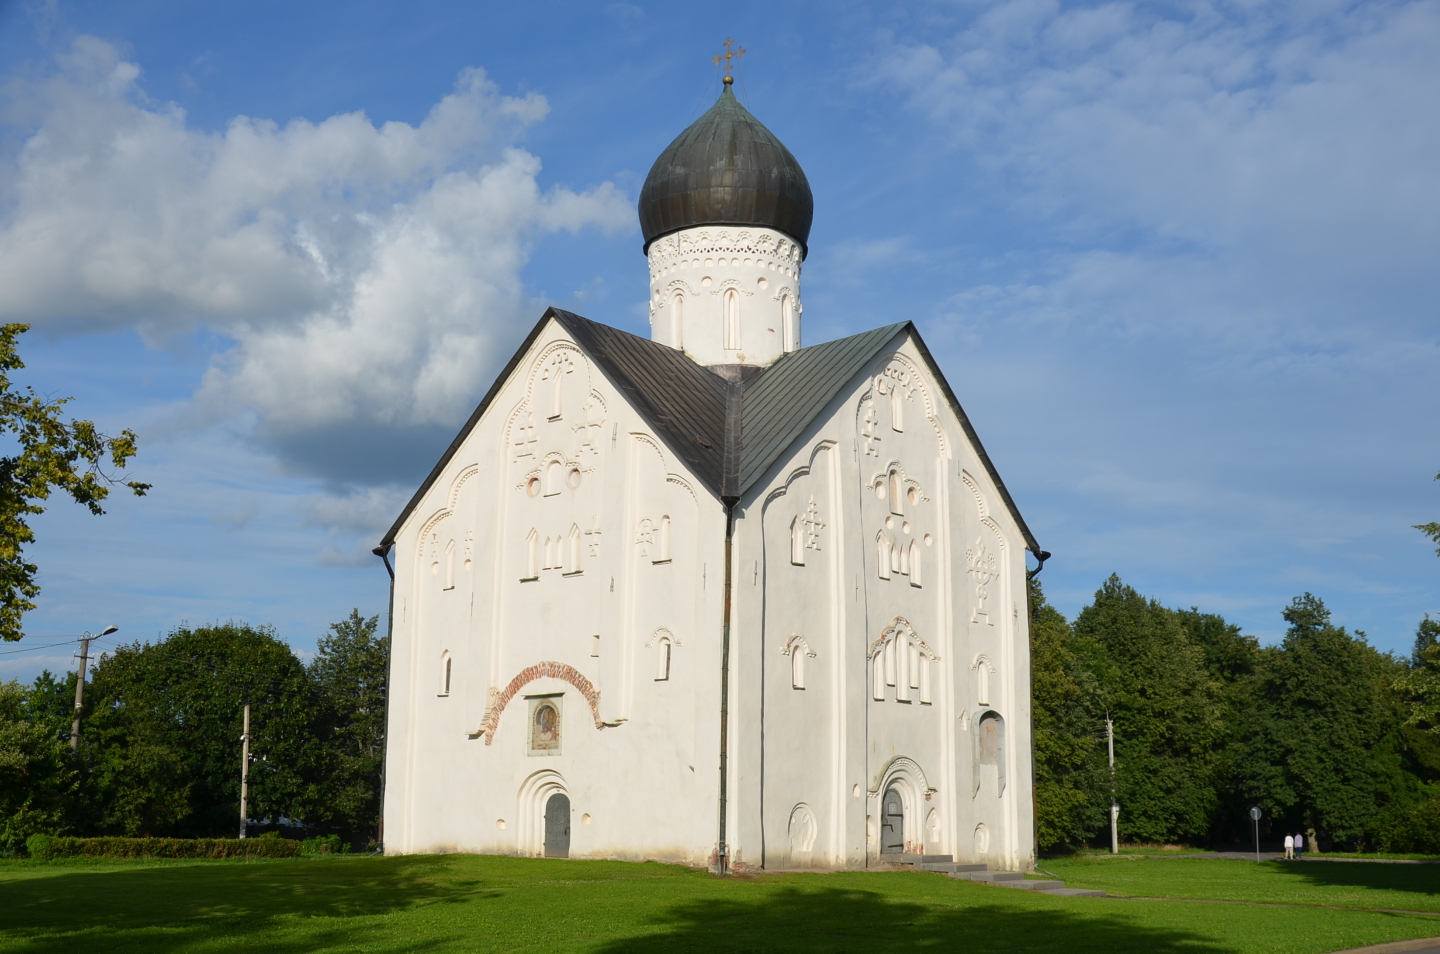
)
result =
(557, 826)
(892, 823)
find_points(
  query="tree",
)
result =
(1072, 791)
(1432, 529)
(51, 454)
(37, 780)
(349, 671)
(1153, 680)
(164, 724)
(1320, 746)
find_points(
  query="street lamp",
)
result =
(80, 683)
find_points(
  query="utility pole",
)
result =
(80, 683)
(1114, 807)
(79, 694)
(244, 770)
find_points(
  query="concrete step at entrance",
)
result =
(1076, 892)
(1033, 885)
(919, 859)
(989, 877)
(949, 867)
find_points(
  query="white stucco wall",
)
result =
(637, 766)
(808, 766)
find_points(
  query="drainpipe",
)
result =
(383, 552)
(722, 859)
(1041, 556)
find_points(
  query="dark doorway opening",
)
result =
(892, 823)
(557, 826)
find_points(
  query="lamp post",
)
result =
(1255, 817)
(1114, 806)
(80, 683)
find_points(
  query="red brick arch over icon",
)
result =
(541, 670)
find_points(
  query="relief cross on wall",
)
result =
(982, 565)
(813, 526)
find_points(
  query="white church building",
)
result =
(713, 597)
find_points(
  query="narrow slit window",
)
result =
(797, 665)
(914, 562)
(664, 543)
(882, 556)
(532, 556)
(450, 566)
(677, 320)
(662, 660)
(572, 563)
(896, 494)
(797, 541)
(790, 327)
(445, 664)
(732, 320)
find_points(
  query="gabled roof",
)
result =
(728, 433)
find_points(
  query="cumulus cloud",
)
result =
(1273, 162)
(368, 274)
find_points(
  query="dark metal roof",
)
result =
(728, 433)
(726, 168)
(781, 403)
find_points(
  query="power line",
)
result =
(31, 649)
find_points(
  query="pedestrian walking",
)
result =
(1289, 847)
(1299, 845)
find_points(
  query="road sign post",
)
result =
(1255, 817)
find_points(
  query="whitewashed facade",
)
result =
(561, 592)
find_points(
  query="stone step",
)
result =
(949, 866)
(1033, 885)
(1076, 892)
(918, 859)
(989, 877)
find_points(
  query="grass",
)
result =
(476, 903)
(1350, 885)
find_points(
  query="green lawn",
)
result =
(1352, 884)
(474, 903)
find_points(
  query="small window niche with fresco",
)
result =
(544, 737)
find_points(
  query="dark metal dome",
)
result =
(726, 169)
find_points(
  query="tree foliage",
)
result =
(163, 733)
(349, 672)
(1152, 679)
(49, 453)
(37, 778)
(1431, 529)
(1072, 788)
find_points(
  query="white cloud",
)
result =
(369, 275)
(1273, 164)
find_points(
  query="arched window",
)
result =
(677, 321)
(662, 659)
(788, 324)
(445, 665)
(797, 666)
(554, 478)
(896, 493)
(897, 408)
(732, 320)
(550, 557)
(914, 562)
(450, 565)
(982, 681)
(664, 544)
(532, 557)
(572, 556)
(883, 548)
(894, 557)
(797, 541)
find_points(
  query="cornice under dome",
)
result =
(726, 168)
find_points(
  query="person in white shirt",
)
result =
(1299, 845)
(1289, 847)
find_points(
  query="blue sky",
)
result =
(1178, 261)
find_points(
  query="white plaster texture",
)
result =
(563, 527)
(726, 295)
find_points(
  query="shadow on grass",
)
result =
(174, 908)
(1414, 879)
(833, 920)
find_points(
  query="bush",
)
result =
(46, 847)
(324, 845)
(1413, 828)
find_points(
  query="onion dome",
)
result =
(726, 169)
